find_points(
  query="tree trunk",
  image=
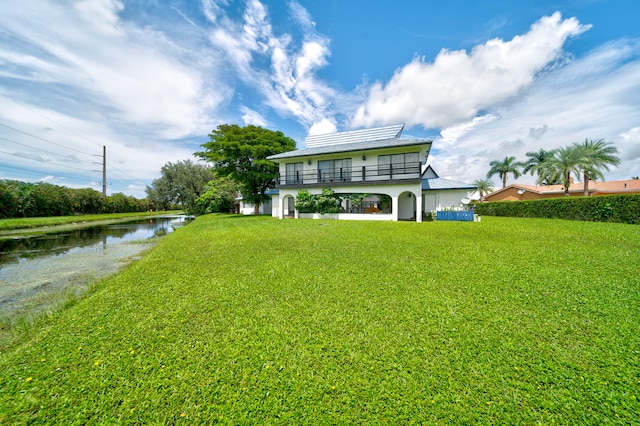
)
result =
(567, 183)
(504, 180)
(257, 208)
(586, 184)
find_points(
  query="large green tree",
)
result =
(597, 156)
(240, 154)
(181, 183)
(503, 168)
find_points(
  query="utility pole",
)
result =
(104, 170)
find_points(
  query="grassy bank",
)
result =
(8, 226)
(255, 320)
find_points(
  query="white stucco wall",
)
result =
(248, 208)
(275, 203)
(437, 200)
(394, 191)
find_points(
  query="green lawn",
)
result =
(254, 320)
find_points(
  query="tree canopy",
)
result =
(181, 183)
(218, 197)
(535, 164)
(588, 159)
(483, 187)
(596, 156)
(503, 168)
(560, 165)
(240, 154)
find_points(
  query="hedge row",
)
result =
(22, 199)
(610, 208)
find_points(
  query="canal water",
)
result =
(36, 271)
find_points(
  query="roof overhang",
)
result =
(350, 147)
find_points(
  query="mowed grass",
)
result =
(254, 320)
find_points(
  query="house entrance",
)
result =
(407, 206)
(289, 207)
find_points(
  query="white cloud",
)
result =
(323, 127)
(250, 116)
(457, 85)
(590, 98)
(136, 74)
(282, 71)
(451, 134)
(103, 14)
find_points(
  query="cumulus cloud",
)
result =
(589, 98)
(324, 126)
(458, 84)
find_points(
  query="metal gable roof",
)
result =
(348, 147)
(355, 136)
(431, 184)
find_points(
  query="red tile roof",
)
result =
(595, 188)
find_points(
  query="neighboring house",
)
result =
(240, 206)
(440, 193)
(519, 192)
(375, 162)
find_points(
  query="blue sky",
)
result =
(149, 79)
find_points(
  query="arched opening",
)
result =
(366, 203)
(407, 206)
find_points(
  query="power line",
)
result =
(64, 127)
(59, 124)
(32, 172)
(46, 162)
(40, 149)
(43, 139)
(123, 173)
(50, 119)
(111, 168)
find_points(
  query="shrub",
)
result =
(218, 197)
(609, 208)
(305, 202)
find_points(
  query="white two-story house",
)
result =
(391, 172)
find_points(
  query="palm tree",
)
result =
(559, 167)
(535, 165)
(597, 155)
(503, 168)
(483, 186)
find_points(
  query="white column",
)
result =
(394, 207)
(419, 207)
(281, 203)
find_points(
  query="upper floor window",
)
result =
(398, 164)
(294, 173)
(334, 170)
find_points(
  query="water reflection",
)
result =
(56, 244)
(33, 271)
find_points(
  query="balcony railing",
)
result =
(351, 175)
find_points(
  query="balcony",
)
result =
(363, 175)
